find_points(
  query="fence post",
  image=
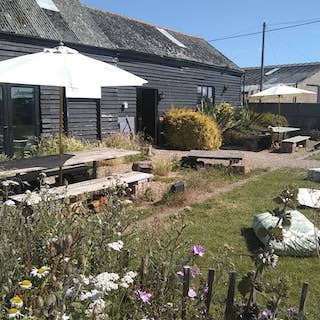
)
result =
(186, 285)
(230, 296)
(303, 298)
(209, 288)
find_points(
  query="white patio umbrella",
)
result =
(65, 68)
(279, 91)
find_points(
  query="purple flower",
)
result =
(195, 271)
(197, 250)
(143, 296)
(192, 294)
(266, 314)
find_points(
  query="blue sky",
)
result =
(214, 19)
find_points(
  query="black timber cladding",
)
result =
(135, 46)
(177, 81)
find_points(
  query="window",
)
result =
(206, 94)
(171, 38)
(47, 4)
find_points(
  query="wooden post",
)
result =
(303, 298)
(143, 270)
(230, 296)
(126, 259)
(94, 169)
(186, 285)
(61, 100)
(209, 288)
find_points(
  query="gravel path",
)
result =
(263, 159)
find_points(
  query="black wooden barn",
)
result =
(180, 69)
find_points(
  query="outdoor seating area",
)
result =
(146, 175)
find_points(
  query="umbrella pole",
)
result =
(60, 133)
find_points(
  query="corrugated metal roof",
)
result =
(76, 23)
(285, 74)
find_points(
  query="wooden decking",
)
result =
(37, 165)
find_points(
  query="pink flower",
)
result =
(192, 294)
(143, 296)
(180, 275)
(197, 250)
(195, 271)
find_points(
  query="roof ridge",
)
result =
(285, 65)
(142, 22)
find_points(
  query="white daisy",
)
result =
(13, 313)
(25, 284)
(41, 272)
(16, 302)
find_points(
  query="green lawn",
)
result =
(220, 225)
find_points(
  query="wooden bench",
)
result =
(290, 145)
(194, 158)
(137, 181)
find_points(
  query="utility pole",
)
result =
(262, 56)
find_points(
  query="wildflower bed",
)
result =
(57, 264)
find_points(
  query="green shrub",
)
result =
(49, 145)
(271, 119)
(123, 141)
(223, 113)
(237, 136)
(186, 129)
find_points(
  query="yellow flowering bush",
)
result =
(186, 129)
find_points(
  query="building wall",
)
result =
(309, 98)
(176, 80)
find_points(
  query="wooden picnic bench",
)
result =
(194, 158)
(36, 165)
(290, 145)
(137, 181)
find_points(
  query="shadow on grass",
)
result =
(253, 243)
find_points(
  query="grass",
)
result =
(209, 179)
(161, 167)
(315, 156)
(223, 226)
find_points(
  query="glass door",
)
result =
(19, 118)
(23, 118)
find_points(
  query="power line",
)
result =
(260, 32)
(292, 22)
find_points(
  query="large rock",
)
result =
(314, 174)
(301, 238)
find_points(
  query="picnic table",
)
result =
(36, 165)
(280, 133)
